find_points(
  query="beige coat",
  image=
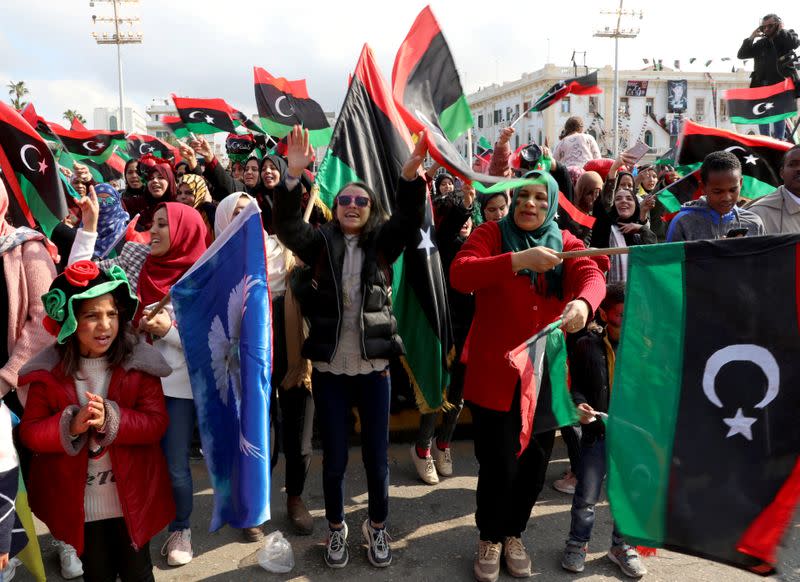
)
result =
(779, 212)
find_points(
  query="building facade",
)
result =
(646, 102)
(108, 118)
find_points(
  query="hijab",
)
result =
(187, 241)
(224, 215)
(483, 202)
(515, 239)
(278, 162)
(130, 190)
(112, 219)
(588, 182)
(198, 187)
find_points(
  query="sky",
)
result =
(204, 48)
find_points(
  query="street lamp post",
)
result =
(617, 33)
(117, 38)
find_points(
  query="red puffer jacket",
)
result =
(137, 419)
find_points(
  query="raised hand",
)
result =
(187, 153)
(505, 135)
(202, 147)
(90, 210)
(298, 151)
(411, 167)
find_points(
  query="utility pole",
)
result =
(617, 33)
(118, 38)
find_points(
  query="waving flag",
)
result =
(223, 313)
(586, 85)
(706, 460)
(205, 115)
(762, 104)
(175, 125)
(92, 144)
(139, 144)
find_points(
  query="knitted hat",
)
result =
(84, 280)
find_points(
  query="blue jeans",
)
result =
(778, 129)
(334, 395)
(591, 471)
(176, 444)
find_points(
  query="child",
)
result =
(94, 418)
(592, 371)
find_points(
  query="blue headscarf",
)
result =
(112, 219)
(547, 235)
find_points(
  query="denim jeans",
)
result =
(572, 438)
(334, 395)
(591, 471)
(427, 422)
(176, 444)
(778, 129)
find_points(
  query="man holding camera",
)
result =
(770, 46)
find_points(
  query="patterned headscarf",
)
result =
(198, 186)
(112, 220)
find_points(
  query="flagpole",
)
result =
(159, 306)
(594, 252)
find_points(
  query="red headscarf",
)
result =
(187, 241)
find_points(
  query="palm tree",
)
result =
(17, 91)
(71, 114)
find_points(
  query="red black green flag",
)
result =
(425, 73)
(204, 116)
(706, 459)
(139, 144)
(370, 144)
(77, 125)
(760, 156)
(30, 171)
(94, 144)
(762, 104)
(586, 85)
(283, 104)
(241, 120)
(175, 125)
(680, 192)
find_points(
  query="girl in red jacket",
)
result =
(520, 285)
(94, 420)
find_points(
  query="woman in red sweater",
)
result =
(520, 285)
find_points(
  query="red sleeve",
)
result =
(39, 429)
(584, 277)
(478, 264)
(147, 421)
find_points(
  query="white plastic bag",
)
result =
(276, 555)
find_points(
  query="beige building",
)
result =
(643, 117)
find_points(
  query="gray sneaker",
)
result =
(574, 556)
(628, 560)
(378, 551)
(336, 553)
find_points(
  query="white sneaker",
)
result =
(71, 566)
(443, 460)
(178, 547)
(7, 573)
(424, 467)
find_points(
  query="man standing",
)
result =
(780, 211)
(768, 43)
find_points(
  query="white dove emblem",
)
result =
(225, 356)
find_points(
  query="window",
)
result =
(648, 106)
(648, 138)
(526, 106)
(516, 140)
(723, 109)
(480, 121)
(624, 106)
(539, 141)
(509, 113)
(112, 123)
(700, 108)
(565, 105)
(593, 104)
(516, 110)
(529, 136)
(498, 116)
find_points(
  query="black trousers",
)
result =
(293, 417)
(108, 553)
(508, 486)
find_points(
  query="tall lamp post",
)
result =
(118, 38)
(617, 33)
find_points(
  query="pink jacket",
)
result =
(29, 270)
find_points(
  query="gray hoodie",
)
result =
(697, 221)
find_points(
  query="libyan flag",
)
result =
(31, 172)
(760, 156)
(370, 144)
(762, 104)
(283, 104)
(545, 402)
(92, 144)
(175, 125)
(703, 438)
(586, 85)
(204, 116)
(139, 144)
(680, 192)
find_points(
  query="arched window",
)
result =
(648, 138)
(112, 123)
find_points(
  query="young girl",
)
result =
(94, 417)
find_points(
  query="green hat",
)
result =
(84, 280)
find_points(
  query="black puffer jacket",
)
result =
(326, 244)
(765, 53)
(588, 370)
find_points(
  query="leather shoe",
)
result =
(301, 519)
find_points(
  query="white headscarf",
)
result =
(224, 214)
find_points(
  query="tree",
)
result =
(71, 114)
(17, 91)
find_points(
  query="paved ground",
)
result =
(433, 530)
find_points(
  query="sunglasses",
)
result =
(347, 199)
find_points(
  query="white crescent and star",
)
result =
(41, 163)
(758, 355)
(92, 146)
(278, 107)
(757, 108)
(191, 115)
(426, 243)
(145, 149)
(748, 159)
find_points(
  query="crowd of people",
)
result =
(98, 376)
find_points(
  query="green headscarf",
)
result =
(547, 235)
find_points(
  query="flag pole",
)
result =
(518, 118)
(310, 205)
(594, 252)
(159, 306)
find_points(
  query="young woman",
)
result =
(493, 207)
(94, 417)
(177, 239)
(352, 332)
(575, 147)
(587, 191)
(133, 196)
(192, 191)
(112, 220)
(514, 263)
(160, 187)
(627, 228)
